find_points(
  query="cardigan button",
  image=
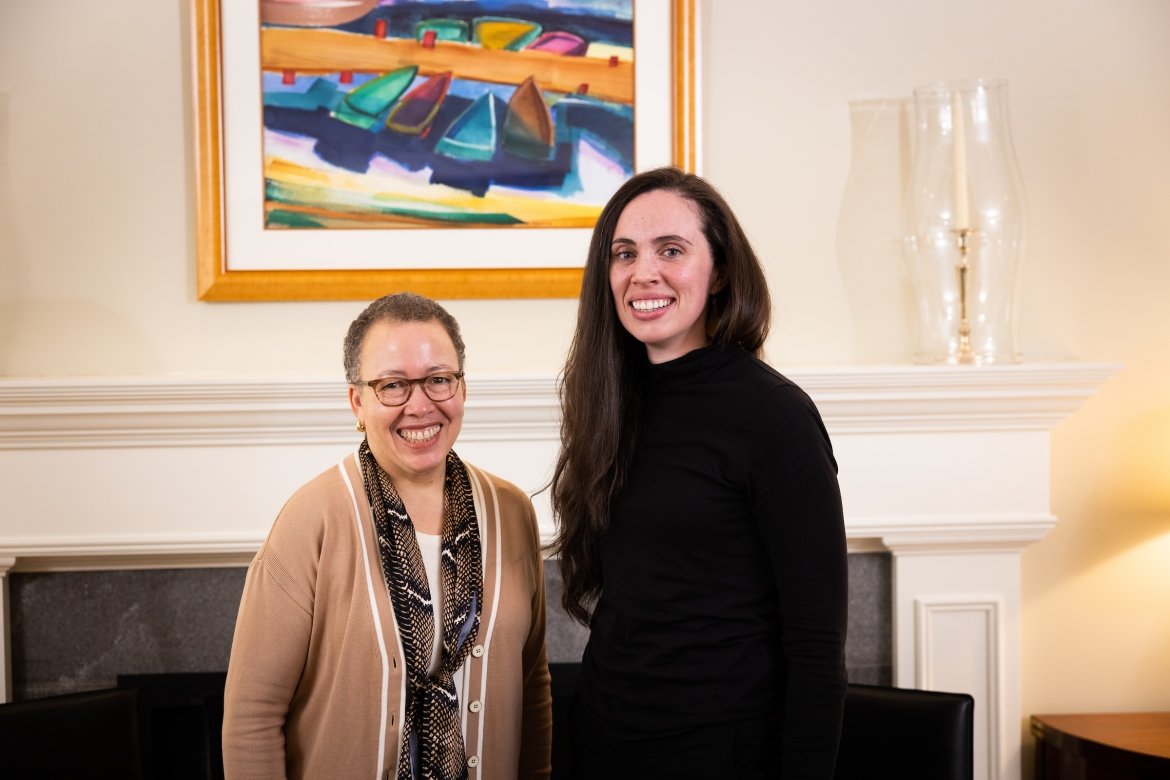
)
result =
(475, 706)
(477, 651)
(473, 761)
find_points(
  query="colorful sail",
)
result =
(528, 126)
(366, 106)
(415, 112)
(498, 32)
(563, 43)
(474, 135)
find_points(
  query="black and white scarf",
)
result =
(432, 741)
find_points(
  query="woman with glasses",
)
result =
(700, 529)
(392, 624)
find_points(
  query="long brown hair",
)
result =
(600, 384)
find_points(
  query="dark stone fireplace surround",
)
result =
(76, 631)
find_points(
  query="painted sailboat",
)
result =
(444, 29)
(415, 112)
(474, 134)
(528, 126)
(367, 106)
(314, 13)
(556, 42)
(321, 94)
(499, 32)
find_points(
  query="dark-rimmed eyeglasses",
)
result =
(395, 391)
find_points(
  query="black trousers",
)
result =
(744, 750)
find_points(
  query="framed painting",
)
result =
(458, 148)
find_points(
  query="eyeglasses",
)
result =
(395, 391)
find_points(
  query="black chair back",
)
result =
(93, 734)
(887, 732)
(906, 733)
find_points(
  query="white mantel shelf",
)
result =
(173, 412)
(945, 467)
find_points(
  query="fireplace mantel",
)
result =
(945, 467)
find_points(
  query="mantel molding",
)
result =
(957, 535)
(944, 399)
(68, 418)
(106, 554)
(83, 412)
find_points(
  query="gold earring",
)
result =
(361, 427)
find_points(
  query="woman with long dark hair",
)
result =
(700, 530)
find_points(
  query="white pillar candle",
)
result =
(959, 136)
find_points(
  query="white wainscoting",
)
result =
(946, 467)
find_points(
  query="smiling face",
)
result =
(662, 274)
(410, 442)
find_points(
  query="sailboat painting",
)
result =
(445, 113)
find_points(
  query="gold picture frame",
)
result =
(217, 281)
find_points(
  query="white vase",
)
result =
(870, 230)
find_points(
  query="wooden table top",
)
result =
(1138, 732)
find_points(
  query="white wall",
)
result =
(96, 249)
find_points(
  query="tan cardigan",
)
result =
(315, 684)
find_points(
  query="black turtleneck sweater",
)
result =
(724, 590)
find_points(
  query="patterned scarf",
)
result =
(432, 742)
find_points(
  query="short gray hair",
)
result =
(397, 307)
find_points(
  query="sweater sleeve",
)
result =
(268, 655)
(797, 505)
(536, 730)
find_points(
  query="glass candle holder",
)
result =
(966, 224)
